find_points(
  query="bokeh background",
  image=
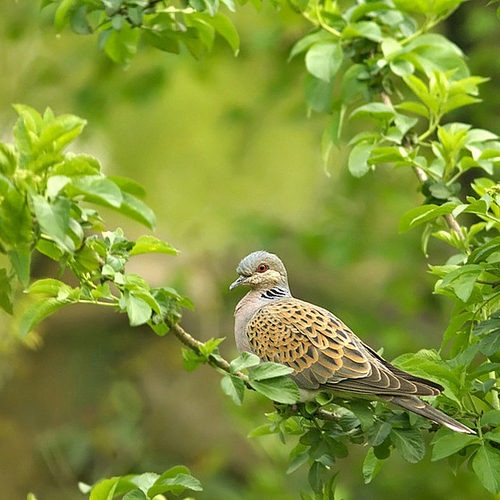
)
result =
(231, 164)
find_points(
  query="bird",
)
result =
(323, 352)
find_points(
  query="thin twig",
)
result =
(327, 415)
(422, 177)
(193, 344)
(491, 283)
(454, 225)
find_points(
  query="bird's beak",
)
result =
(238, 282)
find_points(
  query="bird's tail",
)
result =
(416, 405)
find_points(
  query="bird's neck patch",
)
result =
(275, 293)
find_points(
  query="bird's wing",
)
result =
(324, 352)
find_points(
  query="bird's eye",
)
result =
(262, 268)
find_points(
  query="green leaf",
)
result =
(486, 465)
(191, 360)
(175, 480)
(15, 216)
(233, 387)
(79, 23)
(363, 411)
(53, 219)
(63, 13)
(318, 94)
(352, 85)
(121, 46)
(462, 280)
(20, 258)
(414, 107)
(296, 462)
(128, 185)
(50, 249)
(60, 131)
(150, 244)
(304, 43)
(39, 311)
(362, 10)
(135, 495)
(481, 253)
(138, 311)
(422, 214)
(49, 286)
(358, 159)
(165, 40)
(371, 466)
(401, 67)
(225, 28)
(105, 489)
(267, 370)
(145, 481)
(491, 417)
(490, 344)
(493, 435)
(96, 189)
(385, 154)
(201, 22)
(76, 165)
(279, 389)
(363, 29)
(418, 6)
(455, 324)
(317, 476)
(210, 346)
(418, 87)
(409, 443)
(137, 210)
(323, 59)
(243, 361)
(5, 292)
(374, 110)
(451, 443)
(8, 159)
(379, 433)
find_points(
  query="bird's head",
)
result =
(261, 271)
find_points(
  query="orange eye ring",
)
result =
(262, 268)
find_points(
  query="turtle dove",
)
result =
(323, 352)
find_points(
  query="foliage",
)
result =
(402, 82)
(147, 486)
(122, 25)
(412, 81)
(47, 208)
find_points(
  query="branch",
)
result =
(422, 177)
(491, 283)
(193, 344)
(219, 362)
(450, 220)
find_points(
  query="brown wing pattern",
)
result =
(324, 352)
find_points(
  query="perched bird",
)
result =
(323, 352)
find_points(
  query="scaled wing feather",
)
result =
(324, 352)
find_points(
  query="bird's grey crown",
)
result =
(249, 264)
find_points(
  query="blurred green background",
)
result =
(231, 163)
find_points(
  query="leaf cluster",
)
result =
(122, 25)
(146, 486)
(48, 206)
